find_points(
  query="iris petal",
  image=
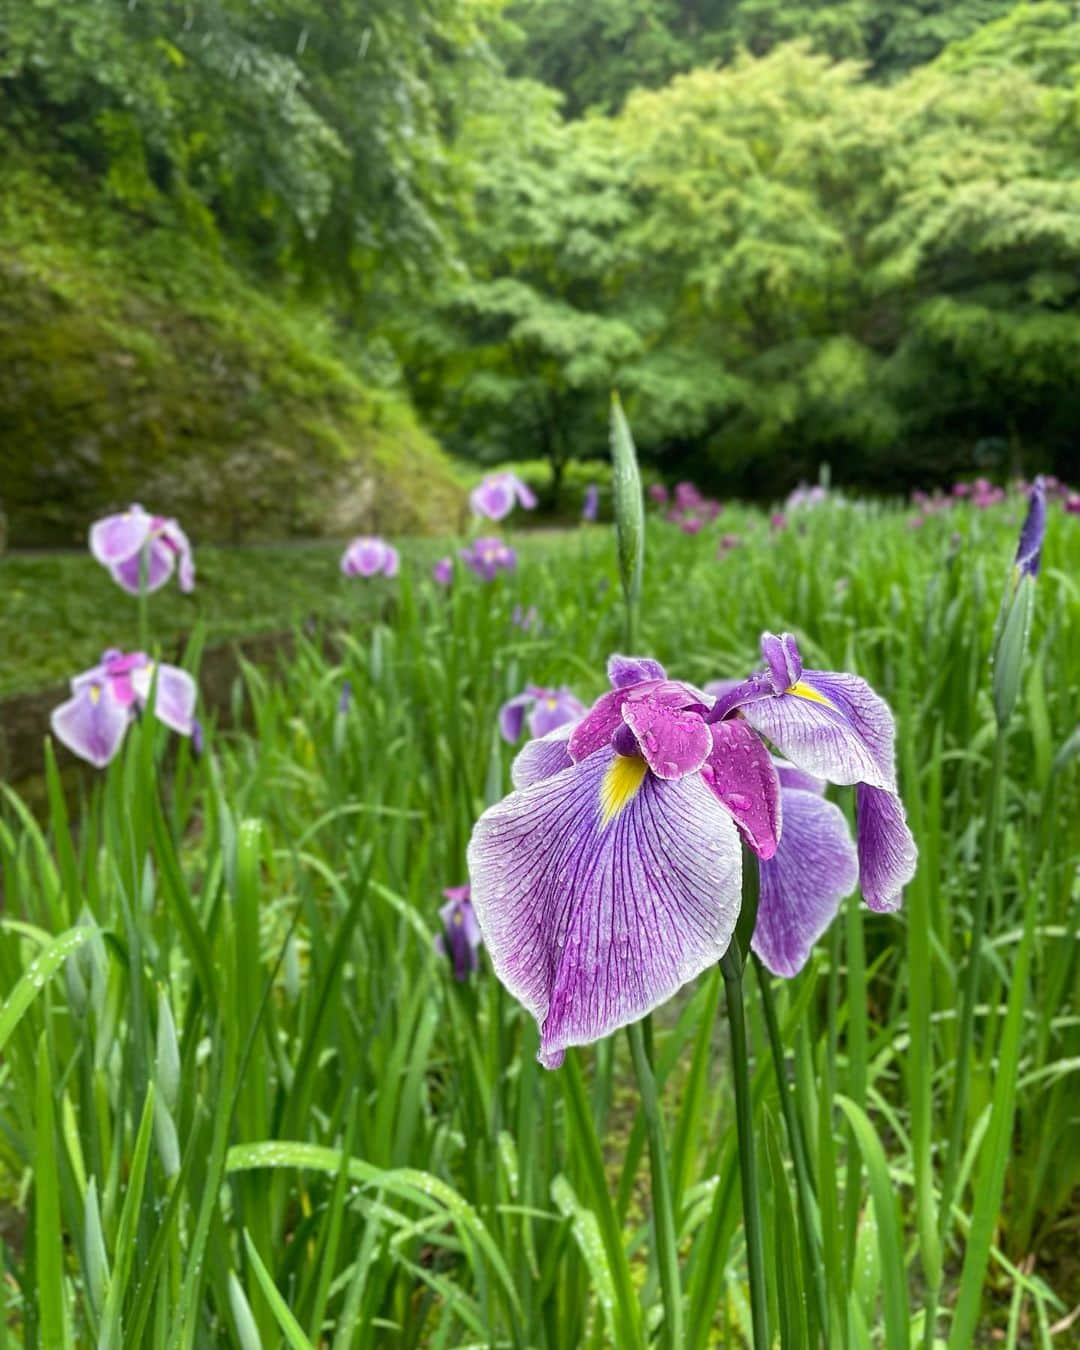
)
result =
(91, 724)
(543, 757)
(117, 538)
(160, 561)
(887, 853)
(590, 927)
(174, 696)
(846, 739)
(802, 885)
(672, 741)
(741, 774)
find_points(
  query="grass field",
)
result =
(243, 1101)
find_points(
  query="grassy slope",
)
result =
(135, 364)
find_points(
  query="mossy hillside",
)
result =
(136, 364)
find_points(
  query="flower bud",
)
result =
(629, 505)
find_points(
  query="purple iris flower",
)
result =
(834, 726)
(488, 556)
(497, 494)
(1072, 503)
(1029, 549)
(368, 555)
(461, 942)
(659, 493)
(525, 619)
(546, 709)
(106, 698)
(134, 541)
(612, 874)
(592, 503)
(443, 571)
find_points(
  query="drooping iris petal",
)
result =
(159, 565)
(741, 774)
(802, 885)
(174, 538)
(443, 571)
(831, 725)
(543, 757)
(91, 723)
(116, 538)
(803, 882)
(887, 853)
(673, 742)
(601, 891)
(512, 716)
(627, 670)
(175, 694)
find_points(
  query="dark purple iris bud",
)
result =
(1029, 549)
(461, 940)
(368, 556)
(141, 550)
(344, 698)
(107, 698)
(487, 557)
(591, 505)
(198, 739)
(498, 494)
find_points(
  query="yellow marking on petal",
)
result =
(552, 703)
(802, 690)
(619, 786)
(95, 694)
(458, 918)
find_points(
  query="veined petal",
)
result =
(543, 757)
(831, 725)
(802, 885)
(91, 724)
(741, 774)
(174, 699)
(160, 562)
(493, 498)
(591, 926)
(605, 717)
(118, 537)
(887, 853)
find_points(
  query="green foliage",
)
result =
(597, 54)
(138, 366)
(777, 262)
(369, 1154)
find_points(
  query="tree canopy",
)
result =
(787, 233)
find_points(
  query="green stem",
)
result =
(731, 967)
(667, 1245)
(804, 1189)
(970, 987)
